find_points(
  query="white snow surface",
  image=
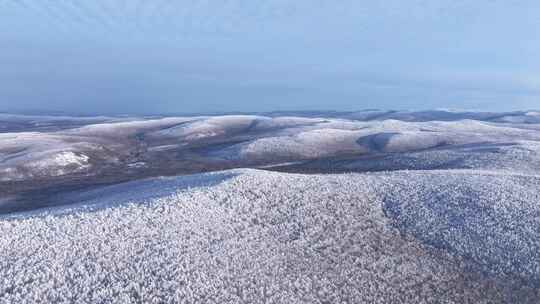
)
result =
(208, 127)
(309, 144)
(126, 128)
(32, 154)
(60, 161)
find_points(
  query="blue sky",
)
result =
(164, 56)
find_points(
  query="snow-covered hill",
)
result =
(249, 236)
(139, 147)
(437, 210)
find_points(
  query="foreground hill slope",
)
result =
(252, 236)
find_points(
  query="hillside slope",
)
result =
(250, 236)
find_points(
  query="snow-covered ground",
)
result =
(244, 140)
(439, 210)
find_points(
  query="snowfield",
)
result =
(428, 207)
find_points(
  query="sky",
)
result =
(188, 56)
